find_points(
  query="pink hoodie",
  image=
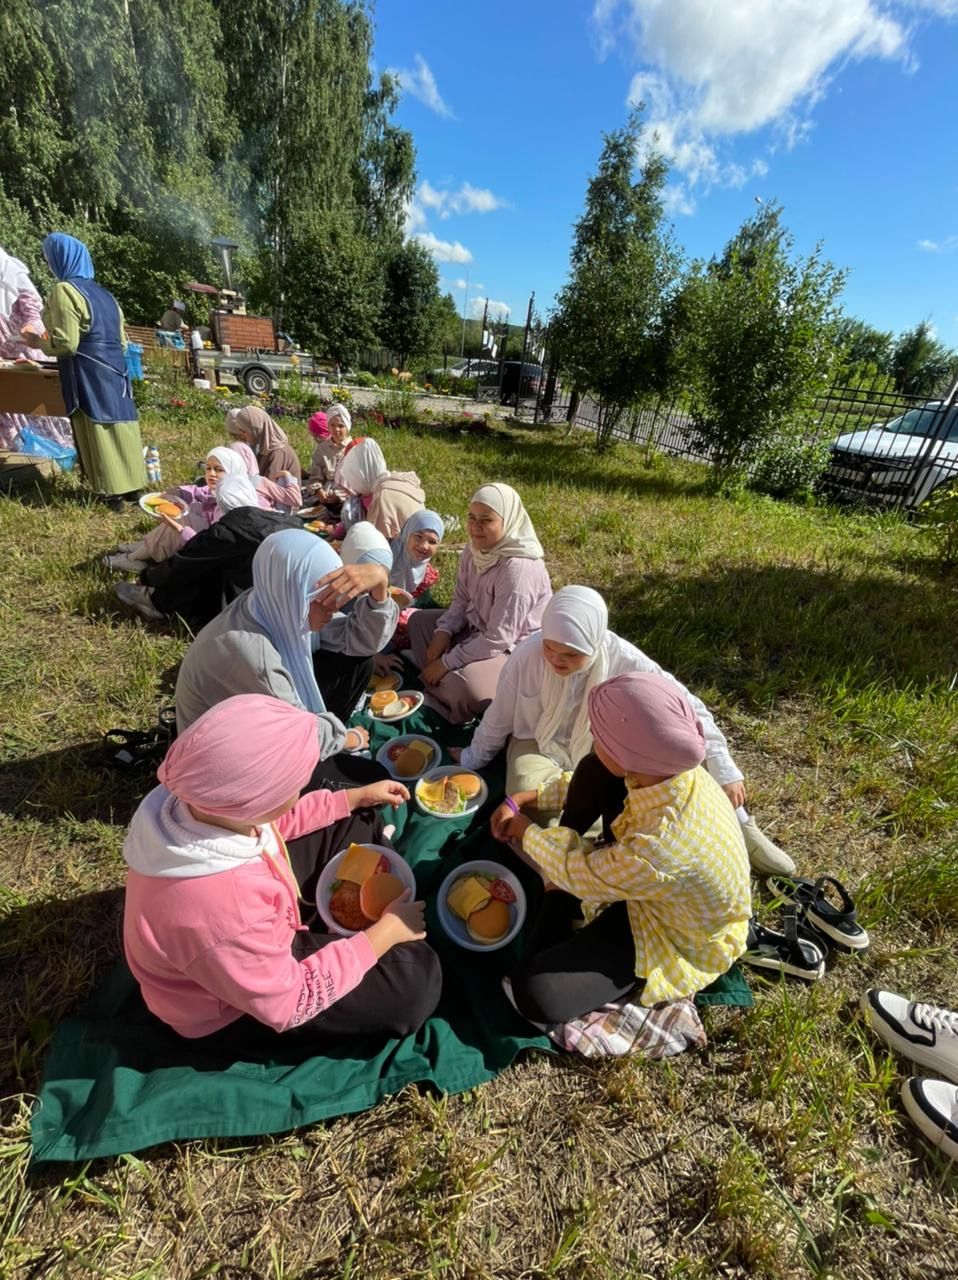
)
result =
(210, 918)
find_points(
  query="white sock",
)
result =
(742, 814)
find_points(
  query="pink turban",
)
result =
(243, 757)
(318, 426)
(646, 724)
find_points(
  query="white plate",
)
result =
(383, 757)
(398, 865)
(472, 805)
(455, 928)
(401, 693)
(402, 598)
(177, 502)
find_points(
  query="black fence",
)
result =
(882, 447)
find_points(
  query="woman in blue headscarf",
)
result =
(287, 638)
(85, 332)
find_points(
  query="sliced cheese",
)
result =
(468, 895)
(432, 792)
(358, 864)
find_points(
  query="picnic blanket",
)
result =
(117, 1080)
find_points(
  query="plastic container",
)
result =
(154, 473)
(201, 384)
(134, 361)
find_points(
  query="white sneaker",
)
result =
(923, 1033)
(932, 1106)
(766, 858)
(125, 563)
(139, 598)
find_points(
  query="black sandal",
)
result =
(839, 925)
(787, 952)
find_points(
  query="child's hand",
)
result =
(499, 822)
(456, 753)
(377, 793)
(171, 523)
(386, 664)
(402, 921)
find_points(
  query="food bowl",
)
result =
(447, 771)
(154, 498)
(410, 700)
(324, 888)
(394, 745)
(455, 929)
(403, 599)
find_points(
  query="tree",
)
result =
(761, 342)
(447, 325)
(920, 364)
(410, 300)
(623, 266)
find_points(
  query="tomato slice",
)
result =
(502, 892)
(382, 865)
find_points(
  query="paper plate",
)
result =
(401, 693)
(397, 864)
(148, 497)
(446, 770)
(455, 929)
(382, 755)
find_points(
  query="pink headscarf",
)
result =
(318, 427)
(646, 724)
(242, 758)
(248, 456)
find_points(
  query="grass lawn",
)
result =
(825, 643)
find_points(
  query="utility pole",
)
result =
(525, 344)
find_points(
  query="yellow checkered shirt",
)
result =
(679, 861)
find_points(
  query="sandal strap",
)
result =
(848, 910)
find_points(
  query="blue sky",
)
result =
(843, 110)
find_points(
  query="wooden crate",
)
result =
(19, 470)
(34, 392)
(245, 333)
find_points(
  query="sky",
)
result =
(845, 111)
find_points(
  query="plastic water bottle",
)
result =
(153, 473)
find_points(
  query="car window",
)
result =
(917, 422)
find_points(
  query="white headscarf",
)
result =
(577, 617)
(342, 413)
(518, 536)
(364, 544)
(229, 460)
(236, 491)
(362, 468)
(14, 279)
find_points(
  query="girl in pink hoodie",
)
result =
(214, 926)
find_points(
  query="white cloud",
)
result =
(496, 309)
(948, 245)
(421, 83)
(713, 70)
(468, 199)
(415, 216)
(443, 250)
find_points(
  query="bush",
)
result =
(939, 515)
(365, 379)
(790, 467)
(296, 395)
(397, 406)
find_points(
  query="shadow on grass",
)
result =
(763, 631)
(74, 781)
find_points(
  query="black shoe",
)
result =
(783, 952)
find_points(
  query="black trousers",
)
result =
(394, 999)
(342, 680)
(569, 969)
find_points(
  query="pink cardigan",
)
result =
(207, 949)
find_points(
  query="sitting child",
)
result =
(331, 432)
(666, 901)
(414, 573)
(213, 928)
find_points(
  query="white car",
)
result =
(900, 461)
(467, 369)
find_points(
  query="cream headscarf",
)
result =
(518, 539)
(577, 617)
(362, 468)
(14, 280)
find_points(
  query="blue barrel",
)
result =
(134, 361)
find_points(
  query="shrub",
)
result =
(939, 515)
(397, 406)
(790, 467)
(365, 379)
(297, 395)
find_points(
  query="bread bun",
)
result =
(490, 923)
(470, 784)
(382, 700)
(378, 892)
(412, 761)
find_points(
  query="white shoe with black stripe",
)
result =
(932, 1106)
(923, 1033)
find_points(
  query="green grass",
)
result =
(825, 644)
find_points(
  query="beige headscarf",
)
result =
(265, 432)
(518, 539)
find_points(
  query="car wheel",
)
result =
(258, 381)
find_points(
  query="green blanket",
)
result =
(117, 1081)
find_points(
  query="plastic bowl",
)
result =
(397, 865)
(445, 771)
(382, 756)
(455, 929)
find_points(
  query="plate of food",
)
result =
(450, 792)
(161, 504)
(394, 704)
(481, 905)
(403, 598)
(408, 757)
(358, 884)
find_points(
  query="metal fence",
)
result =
(884, 448)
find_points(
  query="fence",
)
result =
(884, 448)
